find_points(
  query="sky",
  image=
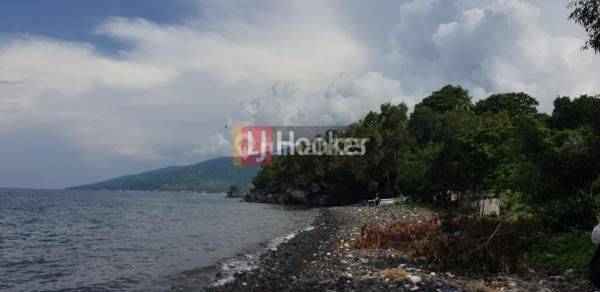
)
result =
(91, 90)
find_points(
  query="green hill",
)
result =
(214, 175)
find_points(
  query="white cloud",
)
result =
(344, 101)
(175, 84)
(280, 63)
(216, 145)
(298, 41)
(72, 91)
(72, 68)
(500, 46)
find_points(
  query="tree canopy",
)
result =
(587, 14)
(501, 144)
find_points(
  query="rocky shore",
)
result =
(325, 258)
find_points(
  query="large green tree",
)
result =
(510, 103)
(449, 98)
(572, 114)
(587, 14)
(549, 166)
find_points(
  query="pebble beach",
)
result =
(325, 258)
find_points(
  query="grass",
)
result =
(571, 250)
(415, 206)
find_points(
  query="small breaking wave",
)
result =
(249, 261)
(275, 243)
(234, 266)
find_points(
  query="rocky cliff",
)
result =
(316, 195)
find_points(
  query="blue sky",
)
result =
(91, 90)
(77, 20)
(29, 158)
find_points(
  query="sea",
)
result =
(73, 240)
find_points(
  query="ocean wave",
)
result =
(249, 261)
(231, 267)
(275, 243)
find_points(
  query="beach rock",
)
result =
(415, 279)
(302, 264)
(298, 196)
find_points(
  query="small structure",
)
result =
(485, 202)
(393, 201)
(489, 206)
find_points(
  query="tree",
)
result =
(587, 14)
(511, 103)
(423, 123)
(449, 98)
(576, 113)
(548, 166)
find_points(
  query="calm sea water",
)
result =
(121, 241)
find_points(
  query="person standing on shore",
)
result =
(375, 201)
(594, 265)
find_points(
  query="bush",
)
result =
(561, 214)
(573, 212)
(460, 243)
(569, 250)
(399, 234)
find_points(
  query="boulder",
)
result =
(234, 192)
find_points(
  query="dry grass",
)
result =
(460, 243)
(476, 287)
(394, 273)
(399, 234)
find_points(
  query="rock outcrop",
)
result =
(316, 195)
(234, 192)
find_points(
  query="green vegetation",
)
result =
(570, 250)
(587, 14)
(545, 166)
(215, 175)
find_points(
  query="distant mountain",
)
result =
(214, 175)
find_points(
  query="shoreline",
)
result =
(325, 258)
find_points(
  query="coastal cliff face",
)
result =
(316, 195)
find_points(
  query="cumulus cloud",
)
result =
(298, 41)
(217, 145)
(500, 46)
(72, 68)
(61, 86)
(344, 101)
(167, 95)
(176, 84)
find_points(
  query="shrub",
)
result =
(569, 250)
(398, 234)
(460, 243)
